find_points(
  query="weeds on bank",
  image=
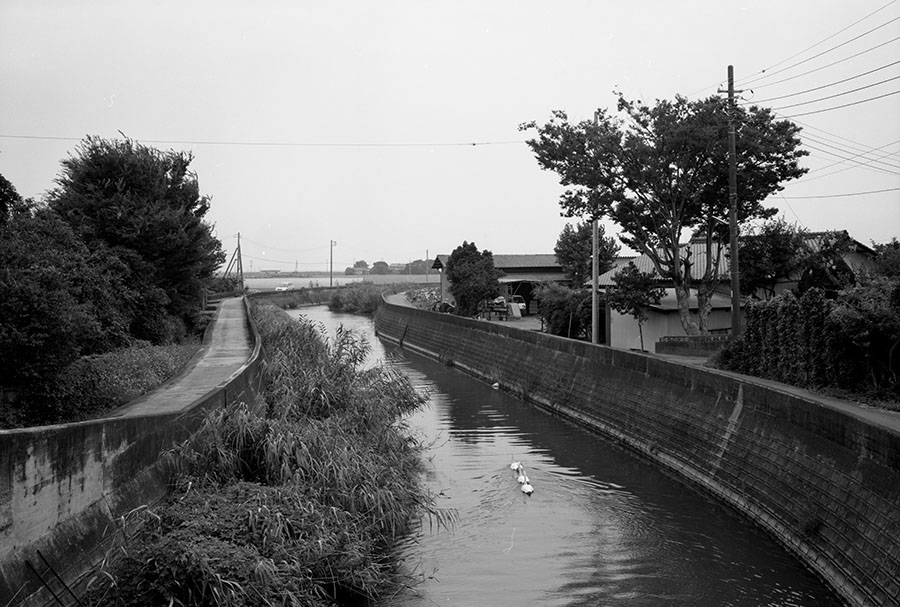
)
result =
(301, 499)
(94, 385)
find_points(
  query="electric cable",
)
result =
(837, 107)
(770, 74)
(842, 195)
(809, 48)
(323, 144)
(824, 86)
(856, 90)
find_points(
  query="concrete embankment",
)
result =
(821, 476)
(64, 487)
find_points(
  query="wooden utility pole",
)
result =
(733, 223)
(331, 245)
(595, 269)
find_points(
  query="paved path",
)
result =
(227, 351)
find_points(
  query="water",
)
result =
(602, 527)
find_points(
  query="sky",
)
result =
(353, 122)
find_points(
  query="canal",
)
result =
(603, 527)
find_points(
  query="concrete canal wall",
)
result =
(64, 487)
(823, 477)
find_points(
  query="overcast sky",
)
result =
(353, 121)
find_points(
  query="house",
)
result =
(663, 319)
(856, 255)
(522, 275)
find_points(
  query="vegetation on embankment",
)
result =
(94, 385)
(300, 499)
(358, 298)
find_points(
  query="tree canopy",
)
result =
(574, 248)
(473, 277)
(659, 170)
(143, 207)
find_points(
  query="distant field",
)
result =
(268, 284)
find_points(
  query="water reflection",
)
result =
(602, 528)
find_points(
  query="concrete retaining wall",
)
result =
(822, 479)
(62, 488)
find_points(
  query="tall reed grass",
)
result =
(303, 498)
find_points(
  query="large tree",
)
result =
(660, 170)
(574, 248)
(144, 207)
(473, 277)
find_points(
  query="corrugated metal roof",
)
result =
(697, 250)
(533, 277)
(512, 263)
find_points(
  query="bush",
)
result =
(847, 345)
(94, 385)
(358, 298)
(566, 312)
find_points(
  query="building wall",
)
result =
(822, 477)
(624, 328)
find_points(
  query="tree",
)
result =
(660, 170)
(770, 252)
(824, 266)
(887, 262)
(472, 277)
(144, 207)
(9, 199)
(574, 248)
(360, 264)
(58, 301)
(380, 267)
(566, 312)
(633, 293)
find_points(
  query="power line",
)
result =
(837, 107)
(833, 63)
(866, 33)
(322, 144)
(858, 153)
(820, 42)
(856, 90)
(824, 86)
(841, 195)
(850, 159)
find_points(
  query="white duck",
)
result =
(515, 466)
(527, 489)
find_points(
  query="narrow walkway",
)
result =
(228, 350)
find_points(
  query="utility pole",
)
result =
(732, 199)
(331, 245)
(595, 270)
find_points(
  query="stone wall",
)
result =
(822, 477)
(64, 487)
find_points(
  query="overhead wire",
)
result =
(845, 195)
(832, 64)
(816, 56)
(301, 144)
(856, 90)
(838, 107)
(824, 40)
(824, 86)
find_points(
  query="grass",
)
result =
(303, 498)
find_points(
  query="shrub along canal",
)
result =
(602, 527)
